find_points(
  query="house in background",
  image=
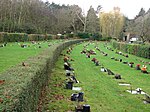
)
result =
(130, 38)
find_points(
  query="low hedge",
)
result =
(135, 49)
(2, 37)
(22, 85)
(22, 37)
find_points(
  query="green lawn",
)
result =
(101, 91)
(13, 54)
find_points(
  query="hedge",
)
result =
(22, 84)
(83, 35)
(21, 37)
(135, 49)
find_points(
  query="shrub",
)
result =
(69, 35)
(48, 36)
(21, 37)
(106, 38)
(83, 35)
(2, 36)
(36, 37)
(15, 37)
(135, 49)
(97, 36)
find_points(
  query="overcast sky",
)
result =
(129, 8)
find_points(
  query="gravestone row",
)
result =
(71, 79)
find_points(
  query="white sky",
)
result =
(129, 8)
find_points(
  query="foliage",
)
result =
(97, 36)
(15, 37)
(69, 35)
(139, 26)
(106, 38)
(83, 35)
(92, 22)
(135, 49)
(22, 37)
(111, 24)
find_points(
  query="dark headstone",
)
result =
(120, 60)
(86, 108)
(125, 62)
(117, 76)
(69, 85)
(80, 96)
(110, 72)
(74, 78)
(67, 74)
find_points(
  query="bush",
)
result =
(83, 35)
(23, 84)
(15, 37)
(97, 36)
(2, 36)
(21, 37)
(106, 38)
(48, 36)
(36, 37)
(135, 49)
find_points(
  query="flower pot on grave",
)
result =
(120, 60)
(69, 85)
(79, 108)
(138, 67)
(117, 76)
(67, 74)
(74, 97)
(125, 62)
(86, 108)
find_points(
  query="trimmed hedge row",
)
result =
(21, 37)
(22, 84)
(135, 49)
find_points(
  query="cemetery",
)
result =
(62, 57)
(100, 86)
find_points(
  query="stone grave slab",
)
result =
(77, 88)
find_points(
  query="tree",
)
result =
(92, 21)
(139, 26)
(111, 23)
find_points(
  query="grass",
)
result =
(101, 91)
(13, 54)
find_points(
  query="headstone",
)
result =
(110, 72)
(76, 88)
(86, 108)
(69, 85)
(117, 76)
(147, 98)
(80, 96)
(120, 60)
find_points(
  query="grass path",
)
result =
(101, 91)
